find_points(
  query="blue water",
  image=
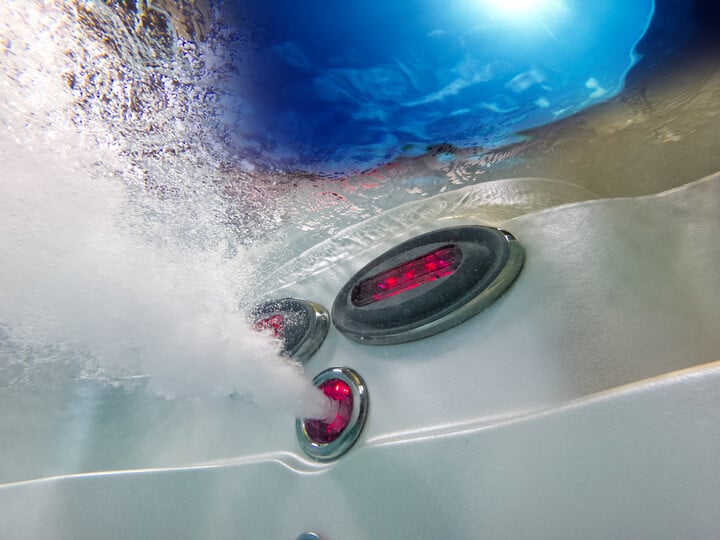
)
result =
(343, 86)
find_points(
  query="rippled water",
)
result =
(341, 87)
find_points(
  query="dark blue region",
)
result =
(682, 31)
(329, 86)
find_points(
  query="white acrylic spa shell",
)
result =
(582, 404)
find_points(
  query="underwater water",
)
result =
(141, 208)
(345, 87)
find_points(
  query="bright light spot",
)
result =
(593, 84)
(525, 9)
(515, 6)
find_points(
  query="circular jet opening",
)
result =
(328, 430)
(329, 438)
(300, 325)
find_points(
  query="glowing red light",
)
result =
(323, 432)
(276, 323)
(438, 263)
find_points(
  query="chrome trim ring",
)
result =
(313, 323)
(309, 536)
(333, 450)
(319, 325)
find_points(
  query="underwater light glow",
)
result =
(516, 6)
(322, 431)
(419, 271)
(275, 324)
(347, 86)
(544, 14)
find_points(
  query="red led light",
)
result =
(276, 323)
(438, 263)
(323, 432)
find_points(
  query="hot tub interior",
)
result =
(144, 211)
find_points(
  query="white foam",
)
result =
(132, 284)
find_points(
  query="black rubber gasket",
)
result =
(491, 260)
